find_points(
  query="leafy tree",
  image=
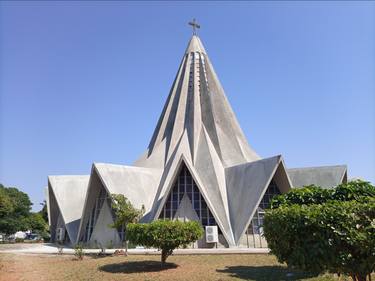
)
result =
(165, 235)
(6, 206)
(15, 213)
(20, 200)
(125, 213)
(318, 230)
(15, 209)
(37, 224)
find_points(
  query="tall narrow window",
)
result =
(94, 214)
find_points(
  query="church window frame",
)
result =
(181, 185)
(255, 227)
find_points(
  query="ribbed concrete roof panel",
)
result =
(197, 99)
(137, 184)
(246, 184)
(324, 176)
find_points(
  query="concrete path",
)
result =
(53, 249)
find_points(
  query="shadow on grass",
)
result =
(136, 267)
(266, 273)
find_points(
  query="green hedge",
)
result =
(319, 230)
(355, 190)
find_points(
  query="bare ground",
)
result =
(258, 267)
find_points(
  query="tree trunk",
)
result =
(163, 257)
(361, 277)
(358, 277)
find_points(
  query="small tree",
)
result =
(166, 235)
(318, 230)
(125, 213)
(78, 251)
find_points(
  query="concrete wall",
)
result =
(252, 241)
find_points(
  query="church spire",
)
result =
(197, 107)
(195, 45)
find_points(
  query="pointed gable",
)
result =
(69, 193)
(185, 200)
(246, 184)
(135, 183)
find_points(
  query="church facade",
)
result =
(198, 166)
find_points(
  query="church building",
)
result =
(198, 166)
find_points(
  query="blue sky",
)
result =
(84, 82)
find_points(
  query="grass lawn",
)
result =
(147, 267)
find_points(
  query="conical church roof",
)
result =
(197, 128)
(197, 103)
(197, 145)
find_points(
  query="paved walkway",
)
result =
(53, 249)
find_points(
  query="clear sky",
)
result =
(84, 82)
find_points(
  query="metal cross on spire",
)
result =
(195, 25)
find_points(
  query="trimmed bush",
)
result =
(166, 235)
(355, 190)
(319, 230)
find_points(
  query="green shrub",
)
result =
(78, 251)
(311, 194)
(19, 240)
(336, 234)
(165, 235)
(355, 190)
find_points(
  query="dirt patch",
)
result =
(190, 267)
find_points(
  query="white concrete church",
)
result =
(198, 166)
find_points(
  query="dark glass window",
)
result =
(256, 224)
(95, 213)
(185, 184)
